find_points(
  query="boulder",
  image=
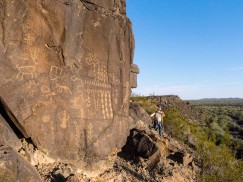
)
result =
(138, 145)
(144, 147)
(137, 113)
(14, 167)
(65, 74)
(181, 157)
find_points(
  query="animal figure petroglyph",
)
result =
(28, 70)
(63, 89)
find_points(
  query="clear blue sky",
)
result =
(189, 48)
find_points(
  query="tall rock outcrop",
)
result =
(65, 68)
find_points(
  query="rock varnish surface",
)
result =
(65, 68)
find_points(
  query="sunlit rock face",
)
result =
(65, 69)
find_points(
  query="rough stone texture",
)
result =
(33, 155)
(73, 179)
(134, 68)
(7, 136)
(160, 166)
(133, 75)
(138, 113)
(139, 145)
(65, 74)
(14, 167)
(133, 80)
(6, 175)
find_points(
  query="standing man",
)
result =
(158, 120)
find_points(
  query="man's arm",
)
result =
(152, 115)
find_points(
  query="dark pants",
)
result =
(158, 125)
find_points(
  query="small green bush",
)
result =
(148, 104)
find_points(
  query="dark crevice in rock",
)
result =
(90, 3)
(177, 157)
(59, 51)
(11, 120)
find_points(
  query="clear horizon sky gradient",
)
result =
(189, 48)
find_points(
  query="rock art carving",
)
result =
(74, 105)
(28, 70)
(92, 59)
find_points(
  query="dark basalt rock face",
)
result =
(65, 70)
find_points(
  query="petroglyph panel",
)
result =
(97, 69)
(94, 97)
(66, 81)
(98, 104)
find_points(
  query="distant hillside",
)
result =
(230, 98)
(218, 101)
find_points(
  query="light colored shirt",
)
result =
(159, 115)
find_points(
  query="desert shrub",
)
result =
(217, 132)
(218, 163)
(175, 124)
(148, 104)
(217, 160)
(179, 126)
(241, 117)
(224, 121)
